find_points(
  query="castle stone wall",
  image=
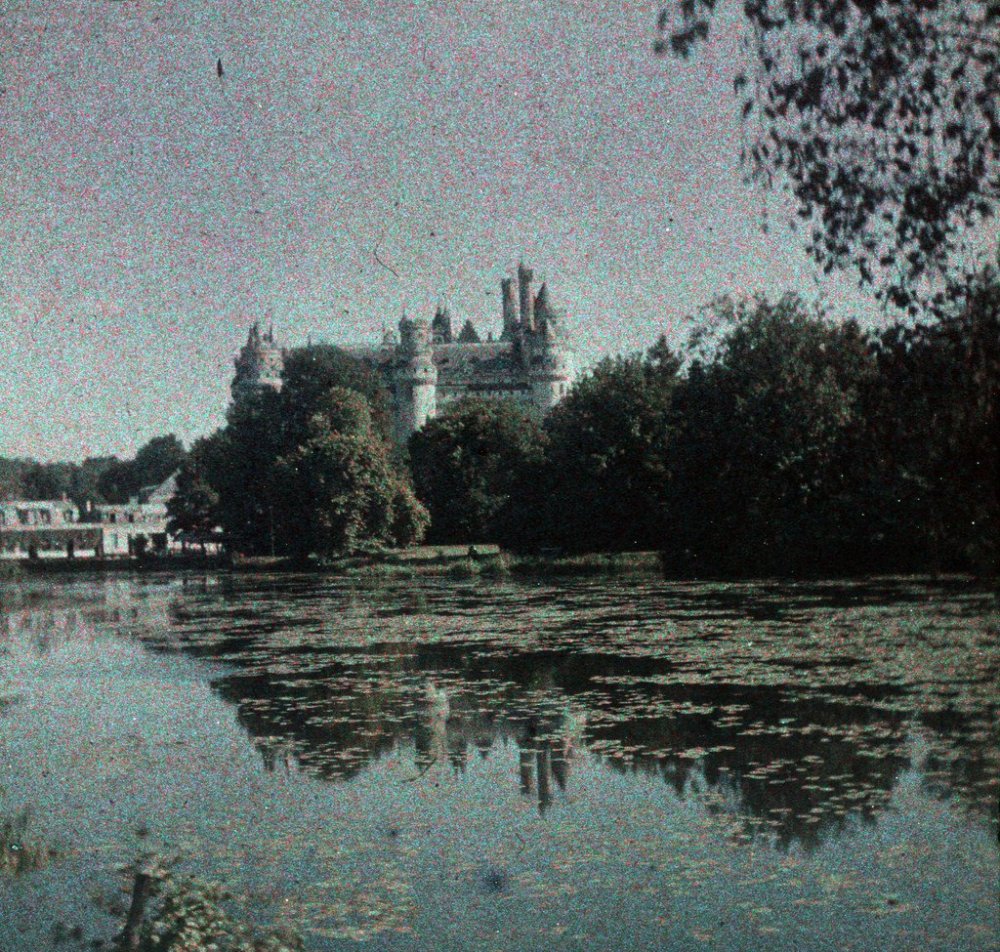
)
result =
(425, 369)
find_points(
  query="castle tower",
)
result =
(258, 365)
(509, 309)
(550, 369)
(543, 313)
(415, 379)
(524, 278)
(550, 375)
(441, 326)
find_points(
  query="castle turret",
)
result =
(524, 278)
(550, 360)
(550, 375)
(258, 365)
(509, 309)
(415, 379)
(441, 326)
(543, 313)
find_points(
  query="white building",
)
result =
(52, 529)
(45, 529)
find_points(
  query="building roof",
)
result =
(40, 504)
(163, 493)
(475, 363)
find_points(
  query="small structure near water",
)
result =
(56, 529)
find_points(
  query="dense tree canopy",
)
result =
(607, 460)
(338, 489)
(193, 508)
(28, 479)
(937, 416)
(239, 465)
(883, 117)
(304, 471)
(765, 465)
(155, 462)
(470, 468)
(310, 373)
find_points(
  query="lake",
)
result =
(436, 764)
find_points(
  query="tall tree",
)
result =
(469, 468)
(880, 115)
(770, 435)
(937, 414)
(339, 489)
(310, 373)
(607, 460)
(153, 463)
(194, 506)
(238, 462)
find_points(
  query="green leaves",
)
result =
(154, 463)
(606, 466)
(308, 471)
(834, 81)
(338, 489)
(469, 466)
(760, 454)
(191, 915)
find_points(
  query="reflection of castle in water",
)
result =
(786, 762)
(440, 723)
(757, 761)
(798, 764)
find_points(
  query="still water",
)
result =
(431, 764)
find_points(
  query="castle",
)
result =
(427, 367)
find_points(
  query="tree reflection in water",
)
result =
(618, 742)
(790, 707)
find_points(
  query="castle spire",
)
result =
(524, 278)
(509, 309)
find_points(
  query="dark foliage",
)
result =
(790, 445)
(338, 489)
(606, 468)
(471, 468)
(766, 464)
(935, 412)
(238, 463)
(304, 471)
(883, 117)
(804, 447)
(312, 372)
(156, 461)
(194, 506)
(27, 479)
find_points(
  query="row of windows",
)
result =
(34, 517)
(447, 396)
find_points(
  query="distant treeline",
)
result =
(104, 479)
(776, 441)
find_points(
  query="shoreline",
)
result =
(487, 561)
(451, 562)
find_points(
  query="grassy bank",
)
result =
(488, 561)
(591, 563)
(454, 561)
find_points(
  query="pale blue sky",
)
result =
(149, 212)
